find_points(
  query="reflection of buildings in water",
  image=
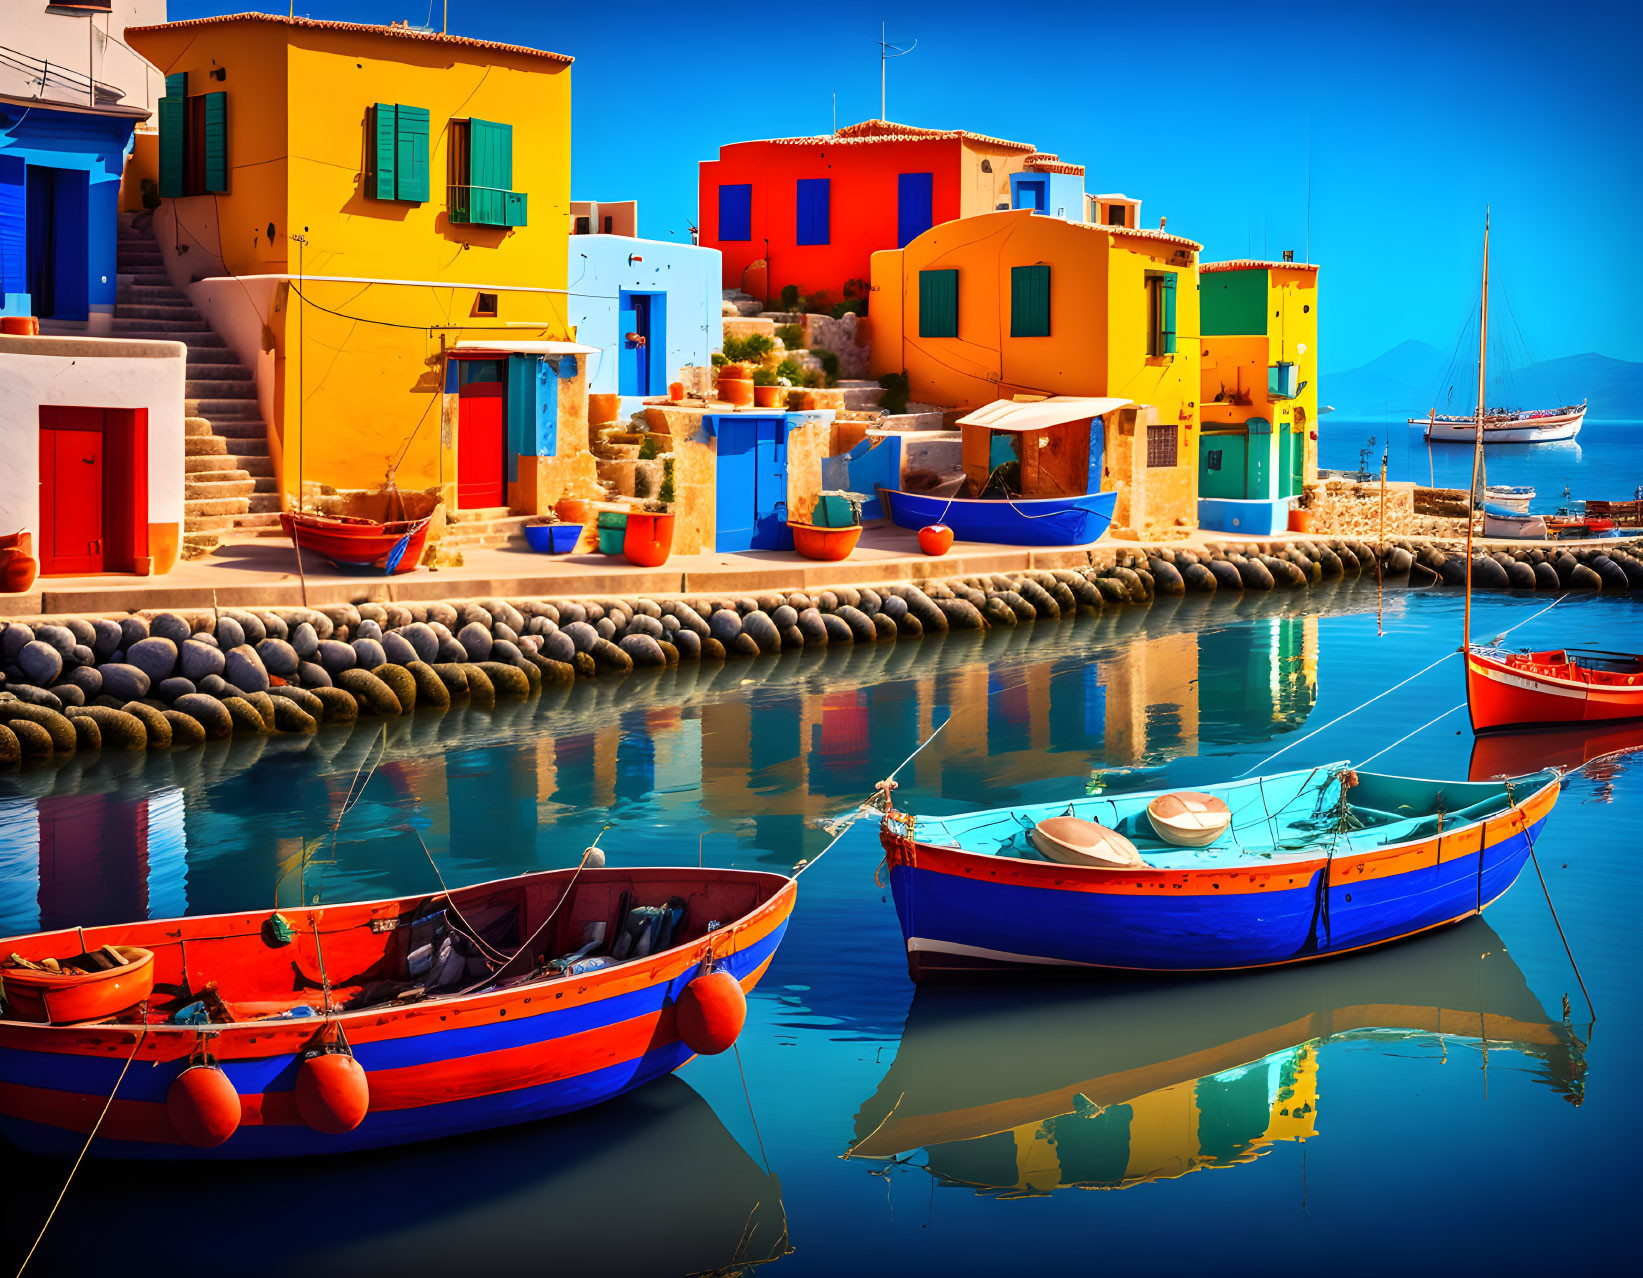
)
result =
(88, 859)
(1022, 1090)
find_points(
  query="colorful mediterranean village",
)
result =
(557, 717)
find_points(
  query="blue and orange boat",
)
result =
(1308, 864)
(265, 1035)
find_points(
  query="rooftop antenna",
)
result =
(445, 20)
(886, 52)
(835, 111)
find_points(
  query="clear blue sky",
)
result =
(1419, 113)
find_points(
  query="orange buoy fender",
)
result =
(333, 1094)
(711, 1012)
(203, 1106)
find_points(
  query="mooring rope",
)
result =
(90, 1136)
(1528, 833)
(1451, 710)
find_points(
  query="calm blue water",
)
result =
(1605, 462)
(1384, 1110)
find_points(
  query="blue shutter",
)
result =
(814, 211)
(938, 303)
(384, 130)
(173, 143)
(915, 206)
(410, 153)
(13, 225)
(736, 212)
(216, 142)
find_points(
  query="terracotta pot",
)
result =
(828, 544)
(736, 390)
(649, 539)
(571, 510)
(737, 372)
(17, 572)
(675, 391)
(19, 326)
(767, 396)
(1300, 521)
(935, 539)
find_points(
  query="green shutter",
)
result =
(216, 142)
(490, 171)
(938, 303)
(383, 133)
(1029, 301)
(1166, 327)
(173, 142)
(176, 84)
(514, 212)
(411, 153)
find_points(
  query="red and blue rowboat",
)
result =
(1018, 521)
(1316, 862)
(442, 1052)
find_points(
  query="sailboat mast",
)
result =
(1477, 447)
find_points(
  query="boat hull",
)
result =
(1518, 527)
(1058, 521)
(435, 1069)
(1532, 430)
(1499, 695)
(968, 912)
(360, 544)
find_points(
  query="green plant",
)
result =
(814, 378)
(720, 359)
(665, 496)
(829, 362)
(750, 349)
(790, 297)
(857, 287)
(816, 303)
(790, 336)
(151, 194)
(896, 393)
(790, 369)
(764, 376)
(647, 448)
(850, 306)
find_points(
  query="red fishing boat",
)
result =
(1536, 689)
(343, 1027)
(351, 542)
(1578, 525)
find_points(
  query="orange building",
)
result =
(810, 212)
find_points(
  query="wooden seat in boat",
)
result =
(1188, 818)
(1075, 841)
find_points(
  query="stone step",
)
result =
(258, 524)
(266, 503)
(215, 357)
(220, 388)
(250, 431)
(163, 330)
(479, 515)
(859, 397)
(209, 506)
(214, 463)
(140, 291)
(248, 449)
(204, 446)
(912, 421)
(221, 408)
(156, 311)
(493, 532)
(217, 486)
(220, 372)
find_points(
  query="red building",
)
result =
(810, 212)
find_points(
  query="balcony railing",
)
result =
(486, 206)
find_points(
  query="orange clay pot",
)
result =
(649, 539)
(935, 539)
(827, 544)
(572, 510)
(736, 390)
(1300, 521)
(675, 391)
(19, 326)
(767, 396)
(737, 372)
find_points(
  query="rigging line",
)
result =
(748, 1097)
(90, 1136)
(1451, 710)
(473, 932)
(1348, 714)
(1528, 833)
(1528, 619)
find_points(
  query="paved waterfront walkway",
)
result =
(264, 572)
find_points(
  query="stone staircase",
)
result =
(487, 526)
(228, 485)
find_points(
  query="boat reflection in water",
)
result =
(1020, 1091)
(651, 1182)
(1513, 754)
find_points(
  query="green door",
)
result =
(1292, 459)
(1221, 462)
(1260, 460)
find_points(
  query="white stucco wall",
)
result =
(80, 43)
(89, 372)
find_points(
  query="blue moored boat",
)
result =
(1312, 863)
(1045, 521)
(1036, 467)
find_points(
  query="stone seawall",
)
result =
(162, 680)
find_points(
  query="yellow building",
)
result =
(1015, 303)
(376, 220)
(1259, 364)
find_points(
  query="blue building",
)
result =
(651, 307)
(60, 167)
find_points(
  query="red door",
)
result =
(71, 490)
(481, 441)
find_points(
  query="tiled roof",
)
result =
(869, 131)
(398, 33)
(1143, 233)
(1049, 164)
(1251, 264)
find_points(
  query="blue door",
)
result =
(636, 357)
(58, 242)
(915, 206)
(750, 512)
(1030, 195)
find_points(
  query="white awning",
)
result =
(527, 348)
(1041, 414)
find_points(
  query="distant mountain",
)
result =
(1409, 379)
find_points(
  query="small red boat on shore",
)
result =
(1537, 689)
(1578, 525)
(350, 542)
